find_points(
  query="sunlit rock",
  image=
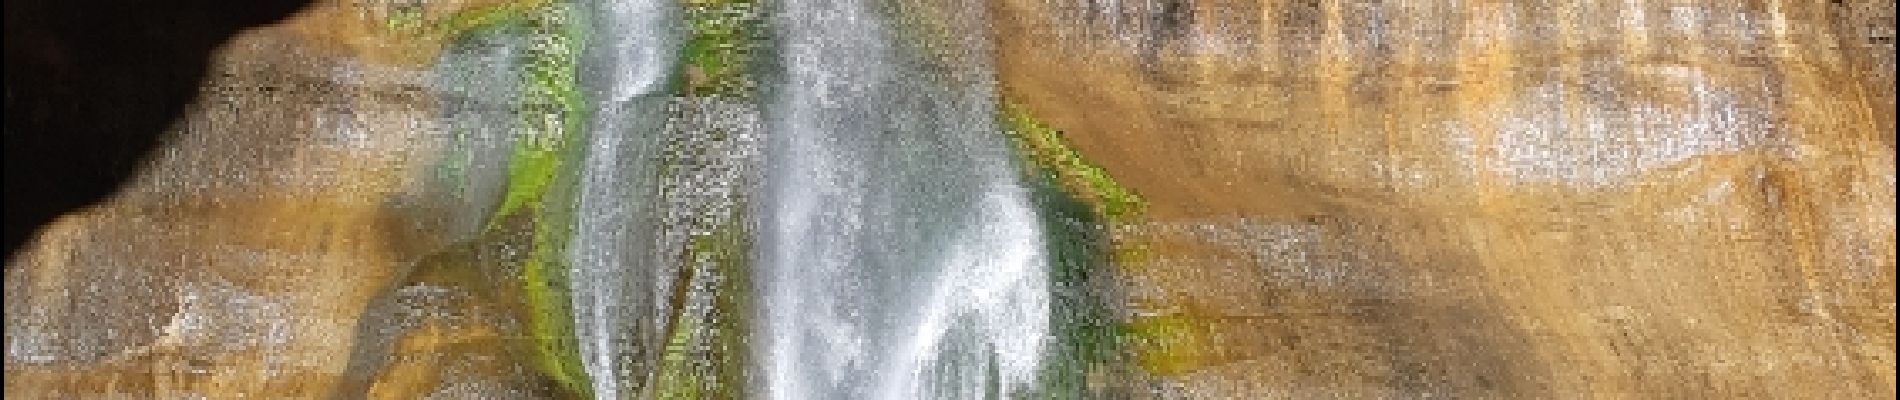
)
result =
(241, 260)
(1488, 199)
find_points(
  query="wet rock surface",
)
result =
(1476, 200)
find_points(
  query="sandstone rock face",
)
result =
(1488, 199)
(1556, 199)
(267, 251)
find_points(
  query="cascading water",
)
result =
(896, 256)
(621, 286)
(899, 256)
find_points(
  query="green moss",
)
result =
(545, 284)
(705, 354)
(706, 358)
(717, 55)
(1170, 344)
(414, 21)
(551, 108)
(550, 112)
(475, 19)
(1076, 200)
(1087, 329)
(404, 19)
(1052, 155)
(677, 379)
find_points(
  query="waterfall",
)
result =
(620, 283)
(899, 258)
(896, 255)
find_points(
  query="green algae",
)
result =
(551, 108)
(704, 356)
(717, 56)
(550, 123)
(549, 116)
(474, 19)
(1081, 202)
(1087, 330)
(1078, 203)
(413, 21)
(1170, 344)
(1052, 154)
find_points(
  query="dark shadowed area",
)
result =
(92, 85)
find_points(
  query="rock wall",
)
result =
(286, 241)
(1687, 198)
(1487, 199)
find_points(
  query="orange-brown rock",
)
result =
(244, 259)
(408, 33)
(1489, 199)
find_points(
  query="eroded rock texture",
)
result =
(1401, 199)
(1488, 199)
(287, 242)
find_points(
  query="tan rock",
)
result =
(393, 32)
(1491, 199)
(241, 261)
